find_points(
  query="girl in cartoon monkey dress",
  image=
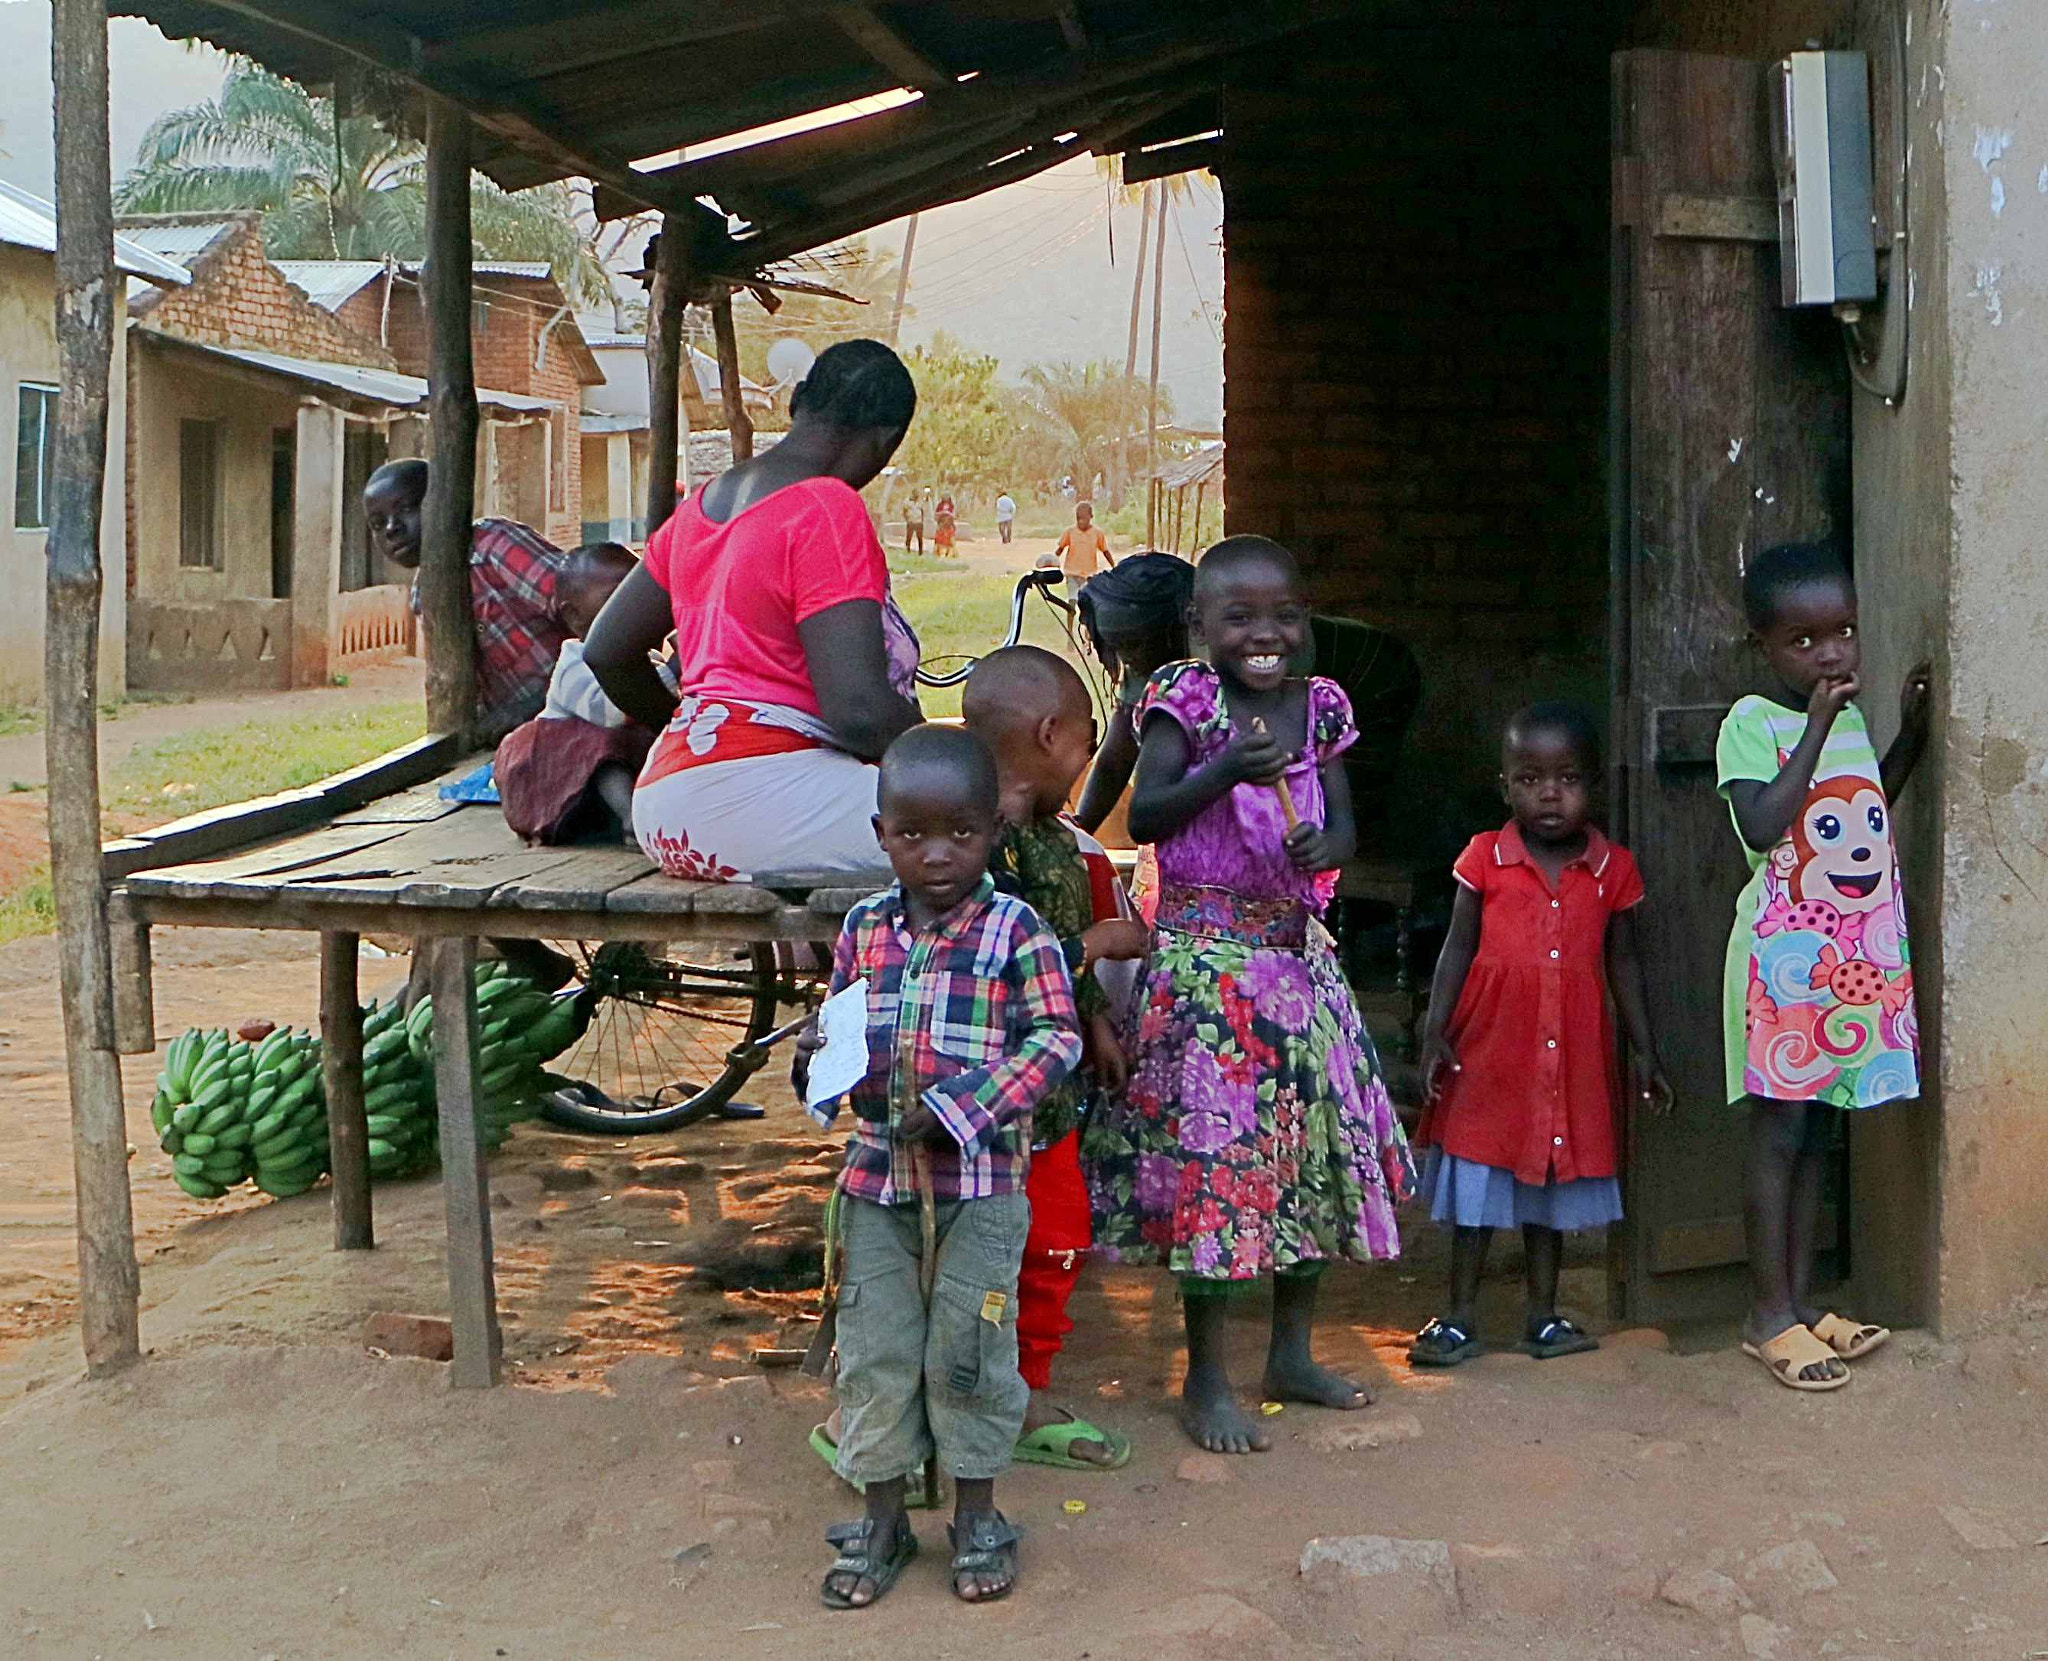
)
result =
(1818, 1000)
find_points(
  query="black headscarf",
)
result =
(1145, 593)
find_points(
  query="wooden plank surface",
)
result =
(580, 880)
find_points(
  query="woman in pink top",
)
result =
(795, 667)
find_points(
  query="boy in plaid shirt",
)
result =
(970, 1024)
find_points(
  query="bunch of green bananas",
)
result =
(520, 1028)
(226, 1110)
(398, 1092)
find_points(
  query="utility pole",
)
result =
(902, 280)
(1158, 283)
(1123, 443)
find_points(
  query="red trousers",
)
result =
(1053, 1252)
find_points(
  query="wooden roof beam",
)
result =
(346, 33)
(590, 36)
(890, 48)
(1067, 14)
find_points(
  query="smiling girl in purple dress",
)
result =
(1256, 1138)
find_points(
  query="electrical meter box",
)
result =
(1820, 139)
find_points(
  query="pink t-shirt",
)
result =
(739, 590)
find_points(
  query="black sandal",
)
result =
(991, 1545)
(1442, 1344)
(1558, 1336)
(857, 1559)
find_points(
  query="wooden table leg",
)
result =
(472, 1288)
(134, 991)
(348, 1133)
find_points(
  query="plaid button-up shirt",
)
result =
(513, 571)
(975, 1017)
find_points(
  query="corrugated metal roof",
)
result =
(381, 386)
(327, 283)
(30, 222)
(179, 242)
(597, 424)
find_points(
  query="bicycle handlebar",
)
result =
(1045, 579)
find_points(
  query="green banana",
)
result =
(221, 1117)
(270, 1124)
(385, 1044)
(385, 1125)
(260, 1101)
(235, 1136)
(198, 1187)
(199, 1143)
(174, 1140)
(281, 1190)
(186, 1116)
(270, 1152)
(188, 1163)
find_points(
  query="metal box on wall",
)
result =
(1820, 144)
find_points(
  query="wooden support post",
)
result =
(666, 296)
(109, 1283)
(134, 988)
(472, 1285)
(729, 388)
(451, 404)
(348, 1131)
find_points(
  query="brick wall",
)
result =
(503, 351)
(238, 298)
(1415, 362)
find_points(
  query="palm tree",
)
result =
(1080, 413)
(337, 187)
(1155, 201)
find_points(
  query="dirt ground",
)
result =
(266, 1486)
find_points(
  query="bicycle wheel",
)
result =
(663, 1021)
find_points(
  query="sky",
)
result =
(1035, 272)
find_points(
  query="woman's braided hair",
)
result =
(857, 385)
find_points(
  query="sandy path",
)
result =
(263, 1486)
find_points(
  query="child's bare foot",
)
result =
(1298, 1378)
(1042, 1412)
(1211, 1417)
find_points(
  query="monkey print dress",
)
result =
(1818, 995)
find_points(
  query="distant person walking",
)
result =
(1082, 545)
(944, 516)
(1006, 517)
(913, 521)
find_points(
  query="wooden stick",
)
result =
(108, 1282)
(730, 387)
(472, 1287)
(446, 530)
(665, 433)
(348, 1130)
(1286, 796)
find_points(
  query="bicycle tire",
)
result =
(660, 1035)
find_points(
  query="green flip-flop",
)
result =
(1048, 1445)
(823, 1446)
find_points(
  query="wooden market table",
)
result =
(381, 851)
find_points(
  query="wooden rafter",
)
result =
(591, 36)
(1067, 14)
(890, 48)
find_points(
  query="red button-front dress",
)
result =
(1524, 1132)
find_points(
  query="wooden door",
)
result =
(1729, 432)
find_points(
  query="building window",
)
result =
(35, 443)
(199, 495)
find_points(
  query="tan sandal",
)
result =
(1851, 1340)
(1789, 1354)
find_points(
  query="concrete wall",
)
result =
(28, 352)
(169, 386)
(1415, 252)
(1984, 290)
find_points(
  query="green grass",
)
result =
(29, 907)
(966, 612)
(211, 768)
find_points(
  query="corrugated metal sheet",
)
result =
(183, 243)
(380, 386)
(30, 222)
(328, 283)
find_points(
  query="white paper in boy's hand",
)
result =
(843, 1062)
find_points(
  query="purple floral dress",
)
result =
(1256, 1135)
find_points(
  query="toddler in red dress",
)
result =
(1518, 1052)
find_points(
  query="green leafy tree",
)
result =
(1076, 414)
(333, 188)
(967, 424)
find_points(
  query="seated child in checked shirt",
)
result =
(568, 773)
(970, 1024)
